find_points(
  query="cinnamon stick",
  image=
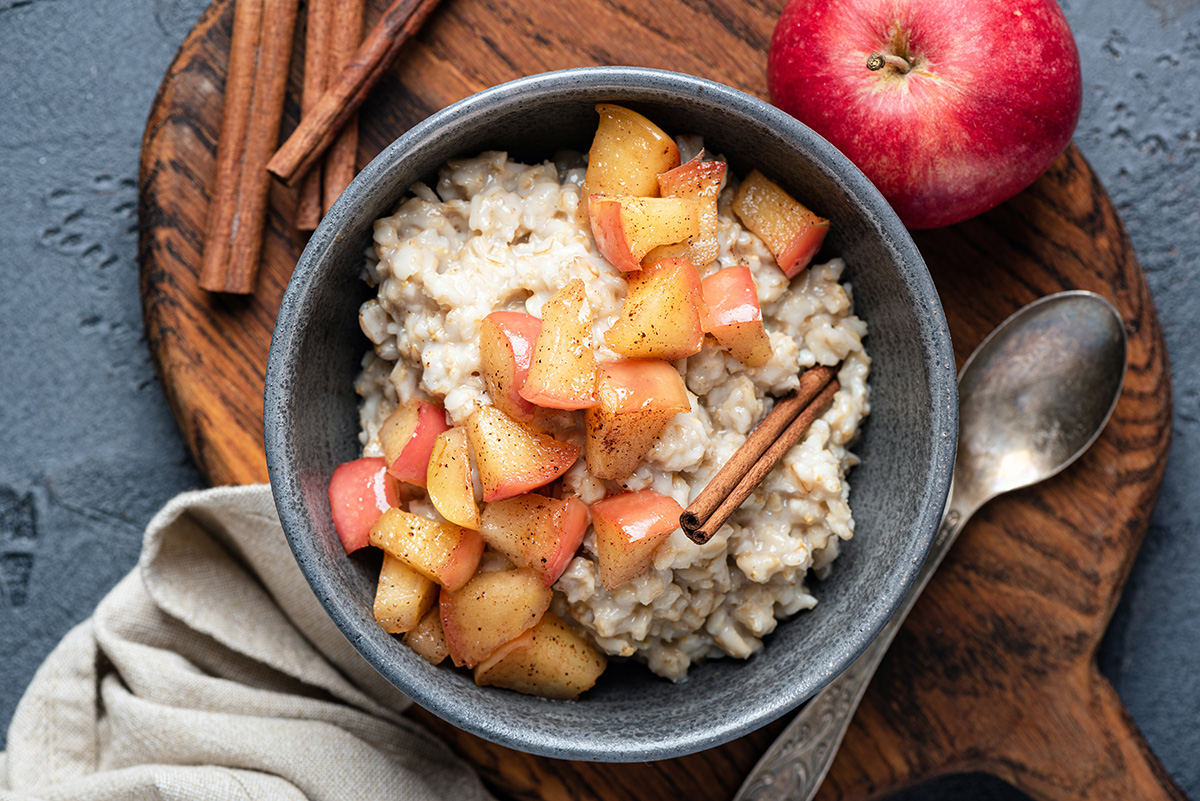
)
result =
(317, 74)
(341, 162)
(782, 428)
(379, 49)
(255, 87)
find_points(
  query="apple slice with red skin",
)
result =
(359, 492)
(637, 398)
(701, 181)
(535, 531)
(629, 528)
(506, 342)
(402, 596)
(512, 457)
(733, 315)
(660, 318)
(442, 552)
(627, 154)
(450, 486)
(551, 660)
(489, 610)
(407, 436)
(562, 369)
(627, 228)
(790, 231)
(949, 108)
(428, 639)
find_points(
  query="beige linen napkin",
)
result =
(212, 672)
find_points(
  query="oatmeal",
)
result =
(496, 235)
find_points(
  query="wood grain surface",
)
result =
(995, 669)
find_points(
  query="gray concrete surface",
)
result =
(88, 449)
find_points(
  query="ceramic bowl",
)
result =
(897, 493)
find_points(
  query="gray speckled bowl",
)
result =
(897, 494)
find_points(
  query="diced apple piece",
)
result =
(627, 228)
(442, 552)
(562, 371)
(506, 341)
(535, 531)
(551, 660)
(627, 153)
(428, 639)
(402, 597)
(512, 457)
(407, 436)
(449, 485)
(733, 316)
(660, 318)
(700, 180)
(629, 528)
(359, 492)
(490, 610)
(637, 398)
(791, 232)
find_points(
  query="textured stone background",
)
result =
(88, 449)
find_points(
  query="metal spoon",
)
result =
(1032, 398)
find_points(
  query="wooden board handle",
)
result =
(1107, 759)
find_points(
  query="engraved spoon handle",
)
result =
(796, 763)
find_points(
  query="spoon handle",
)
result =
(796, 763)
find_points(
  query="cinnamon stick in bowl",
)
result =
(774, 436)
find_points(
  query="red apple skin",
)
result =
(605, 216)
(359, 492)
(629, 529)
(574, 526)
(422, 423)
(991, 100)
(512, 336)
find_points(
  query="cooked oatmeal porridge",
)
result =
(497, 235)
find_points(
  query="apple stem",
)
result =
(877, 61)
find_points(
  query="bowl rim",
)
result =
(938, 361)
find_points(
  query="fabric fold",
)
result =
(212, 671)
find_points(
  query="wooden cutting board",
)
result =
(995, 669)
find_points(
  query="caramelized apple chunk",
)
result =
(627, 154)
(733, 315)
(535, 531)
(701, 181)
(489, 610)
(442, 552)
(428, 639)
(562, 370)
(407, 436)
(551, 660)
(629, 528)
(506, 341)
(449, 481)
(402, 596)
(660, 318)
(791, 232)
(359, 492)
(627, 228)
(512, 457)
(637, 398)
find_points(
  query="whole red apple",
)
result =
(949, 106)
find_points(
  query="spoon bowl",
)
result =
(1035, 394)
